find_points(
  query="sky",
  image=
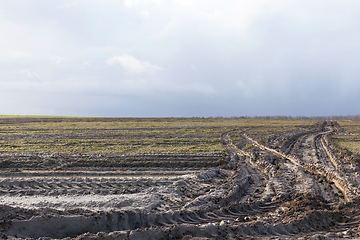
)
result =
(179, 58)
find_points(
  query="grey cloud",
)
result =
(259, 58)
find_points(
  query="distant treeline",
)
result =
(335, 117)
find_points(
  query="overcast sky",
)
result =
(180, 57)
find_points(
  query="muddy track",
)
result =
(291, 143)
(323, 172)
(320, 168)
(295, 192)
(327, 188)
(322, 153)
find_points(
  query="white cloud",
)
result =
(58, 59)
(158, 1)
(130, 3)
(145, 13)
(29, 74)
(23, 40)
(132, 65)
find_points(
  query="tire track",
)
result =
(290, 144)
(348, 191)
(175, 223)
(323, 155)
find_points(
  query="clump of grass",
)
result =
(350, 140)
(249, 147)
(263, 141)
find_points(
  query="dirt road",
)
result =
(293, 188)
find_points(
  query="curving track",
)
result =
(295, 189)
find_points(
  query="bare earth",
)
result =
(296, 188)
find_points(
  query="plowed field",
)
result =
(265, 180)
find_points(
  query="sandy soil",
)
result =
(295, 189)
